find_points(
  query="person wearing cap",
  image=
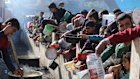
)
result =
(120, 37)
(58, 13)
(11, 26)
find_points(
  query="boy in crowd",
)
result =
(124, 36)
(58, 13)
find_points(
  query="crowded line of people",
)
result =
(110, 41)
(111, 47)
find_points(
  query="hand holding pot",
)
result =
(19, 72)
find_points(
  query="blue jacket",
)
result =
(96, 38)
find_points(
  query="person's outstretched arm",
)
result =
(125, 36)
(120, 37)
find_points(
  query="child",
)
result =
(102, 29)
(124, 66)
(107, 32)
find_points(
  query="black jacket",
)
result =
(59, 14)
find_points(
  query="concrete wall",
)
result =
(135, 60)
(60, 72)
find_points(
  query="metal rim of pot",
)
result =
(40, 74)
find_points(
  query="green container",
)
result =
(48, 30)
(66, 15)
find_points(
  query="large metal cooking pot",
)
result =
(29, 60)
(30, 75)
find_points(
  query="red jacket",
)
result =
(4, 43)
(4, 46)
(125, 36)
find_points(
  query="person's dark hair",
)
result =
(52, 5)
(90, 24)
(62, 3)
(104, 12)
(93, 10)
(116, 11)
(42, 12)
(108, 31)
(36, 17)
(123, 16)
(76, 14)
(14, 21)
(103, 27)
(127, 56)
(95, 15)
(84, 12)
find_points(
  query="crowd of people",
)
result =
(89, 26)
(110, 41)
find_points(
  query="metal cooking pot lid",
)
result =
(136, 16)
(27, 75)
(51, 53)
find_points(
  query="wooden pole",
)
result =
(14, 51)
